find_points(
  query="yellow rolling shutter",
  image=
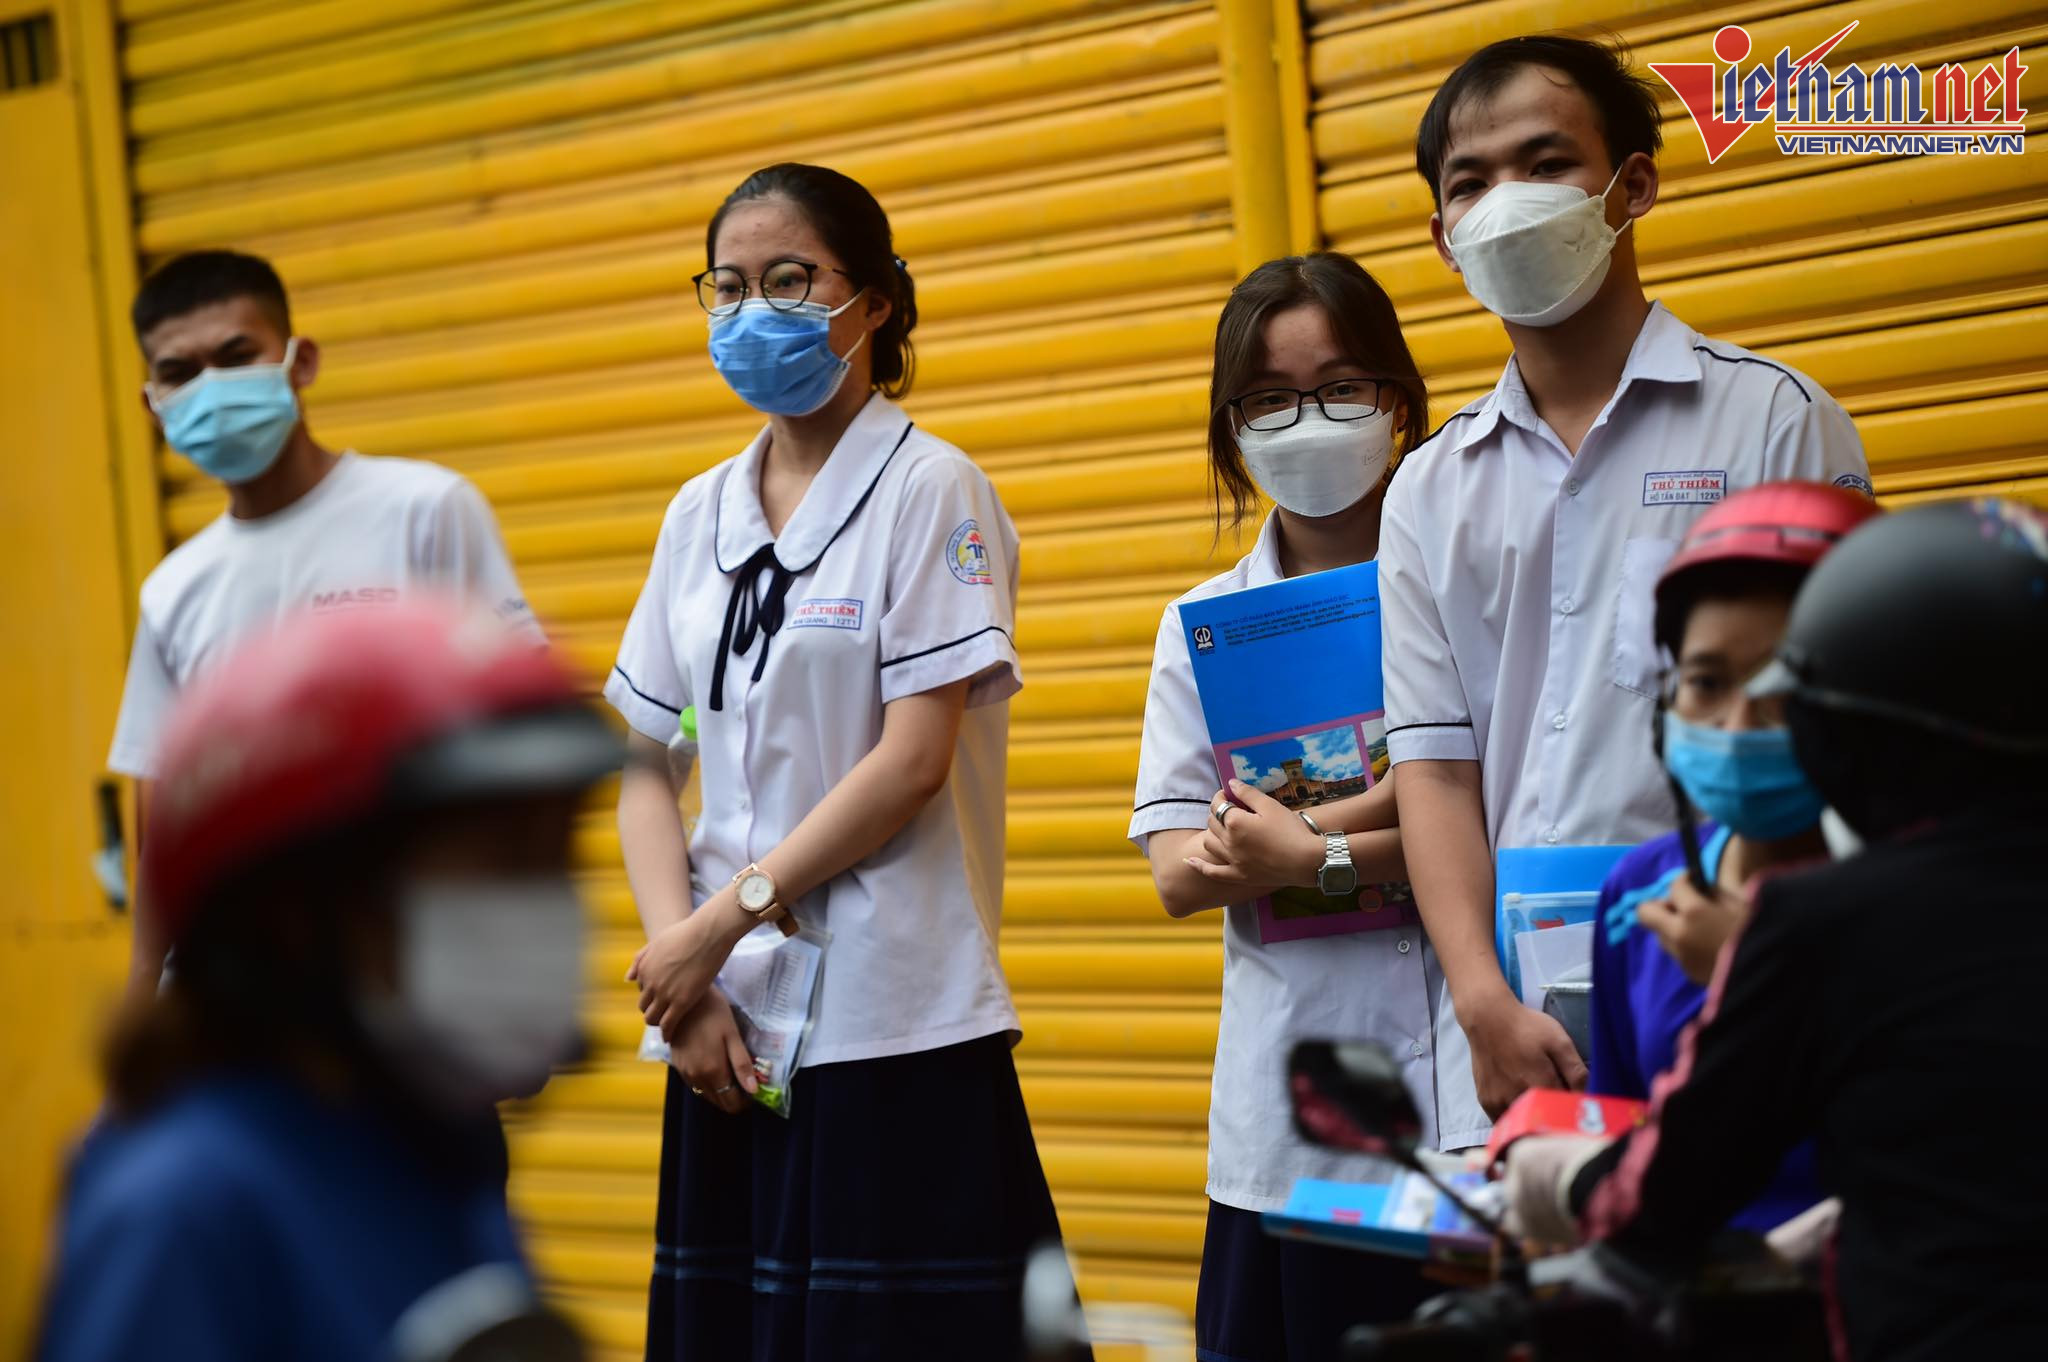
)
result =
(488, 214)
(1915, 290)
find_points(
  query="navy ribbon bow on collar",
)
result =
(751, 612)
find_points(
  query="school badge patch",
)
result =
(967, 555)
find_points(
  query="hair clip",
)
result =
(899, 263)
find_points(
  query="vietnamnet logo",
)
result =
(1846, 110)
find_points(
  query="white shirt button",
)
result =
(1417, 1050)
(1571, 487)
(1566, 606)
(1403, 946)
(1557, 719)
(1551, 835)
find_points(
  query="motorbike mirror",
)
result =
(1350, 1095)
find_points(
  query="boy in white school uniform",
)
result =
(1521, 543)
(305, 529)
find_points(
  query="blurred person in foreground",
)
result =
(1887, 1005)
(306, 527)
(360, 849)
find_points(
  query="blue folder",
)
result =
(1572, 874)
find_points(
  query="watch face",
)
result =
(1336, 880)
(756, 892)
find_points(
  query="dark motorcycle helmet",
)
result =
(1914, 663)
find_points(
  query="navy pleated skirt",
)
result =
(889, 1218)
(1263, 1299)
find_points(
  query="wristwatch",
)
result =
(760, 899)
(1338, 876)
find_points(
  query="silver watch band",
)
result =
(1336, 849)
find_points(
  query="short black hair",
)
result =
(1624, 102)
(842, 211)
(202, 278)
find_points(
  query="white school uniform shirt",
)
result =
(371, 531)
(901, 577)
(1517, 580)
(1379, 986)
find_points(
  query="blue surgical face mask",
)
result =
(780, 360)
(233, 423)
(1746, 780)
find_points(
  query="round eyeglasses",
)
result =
(785, 284)
(1343, 399)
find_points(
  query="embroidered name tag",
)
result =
(820, 613)
(1696, 485)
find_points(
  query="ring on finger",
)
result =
(1221, 813)
(720, 1092)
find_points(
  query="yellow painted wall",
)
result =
(488, 211)
(65, 587)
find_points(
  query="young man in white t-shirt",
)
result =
(1520, 545)
(305, 529)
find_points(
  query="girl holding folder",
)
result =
(1314, 397)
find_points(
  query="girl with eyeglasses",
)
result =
(1314, 398)
(837, 603)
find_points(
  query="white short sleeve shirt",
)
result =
(899, 575)
(371, 531)
(1382, 986)
(1516, 579)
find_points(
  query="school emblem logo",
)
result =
(1856, 482)
(1205, 639)
(967, 555)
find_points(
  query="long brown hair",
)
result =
(1362, 317)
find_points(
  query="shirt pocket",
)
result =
(1635, 603)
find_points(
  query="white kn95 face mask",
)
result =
(1319, 466)
(1535, 254)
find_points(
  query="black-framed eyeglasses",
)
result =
(1342, 399)
(784, 283)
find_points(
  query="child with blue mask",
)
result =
(1721, 605)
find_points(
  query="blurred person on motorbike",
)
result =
(1884, 1005)
(360, 849)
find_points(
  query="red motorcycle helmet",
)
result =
(335, 718)
(1789, 523)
